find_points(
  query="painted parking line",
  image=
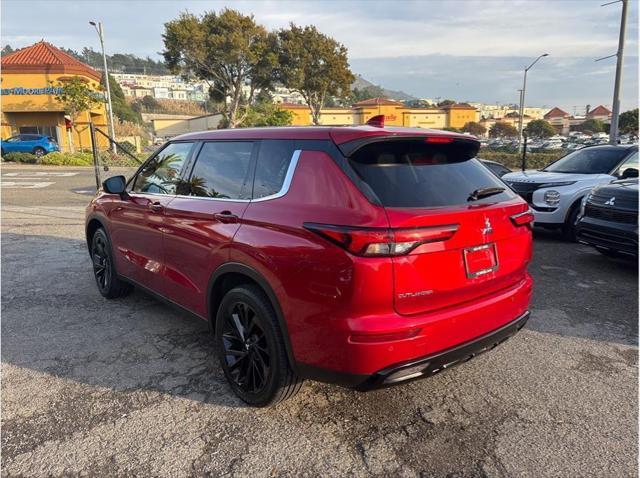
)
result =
(25, 184)
(38, 174)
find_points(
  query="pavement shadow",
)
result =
(55, 321)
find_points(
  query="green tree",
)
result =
(76, 97)
(6, 50)
(418, 104)
(266, 114)
(444, 103)
(540, 129)
(628, 122)
(121, 109)
(503, 130)
(474, 128)
(314, 65)
(366, 93)
(228, 50)
(591, 126)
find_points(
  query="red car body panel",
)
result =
(342, 312)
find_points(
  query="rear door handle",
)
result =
(156, 207)
(226, 217)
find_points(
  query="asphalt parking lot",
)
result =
(130, 387)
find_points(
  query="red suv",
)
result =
(362, 256)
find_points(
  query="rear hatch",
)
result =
(475, 231)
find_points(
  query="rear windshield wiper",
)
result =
(484, 193)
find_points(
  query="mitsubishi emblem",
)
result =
(611, 202)
(487, 227)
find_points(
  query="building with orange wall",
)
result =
(30, 80)
(395, 114)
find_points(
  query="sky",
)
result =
(469, 50)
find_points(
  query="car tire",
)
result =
(569, 227)
(251, 349)
(39, 152)
(109, 285)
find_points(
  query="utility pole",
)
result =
(613, 131)
(112, 131)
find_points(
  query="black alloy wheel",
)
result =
(246, 350)
(251, 348)
(109, 285)
(101, 263)
(39, 152)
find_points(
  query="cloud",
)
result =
(468, 49)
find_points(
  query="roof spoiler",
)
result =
(350, 147)
(376, 121)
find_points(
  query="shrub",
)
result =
(66, 159)
(514, 160)
(26, 158)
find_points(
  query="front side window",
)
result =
(588, 161)
(222, 170)
(272, 166)
(161, 175)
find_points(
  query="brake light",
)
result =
(379, 242)
(438, 139)
(523, 219)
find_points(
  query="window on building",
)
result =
(222, 170)
(161, 175)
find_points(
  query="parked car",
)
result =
(496, 168)
(609, 217)
(361, 256)
(37, 144)
(555, 192)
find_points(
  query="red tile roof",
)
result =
(599, 111)
(43, 57)
(556, 113)
(377, 101)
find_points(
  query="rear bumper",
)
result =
(422, 367)
(353, 363)
(607, 234)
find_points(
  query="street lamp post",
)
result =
(524, 89)
(98, 27)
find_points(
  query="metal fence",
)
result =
(110, 157)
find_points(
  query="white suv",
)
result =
(555, 192)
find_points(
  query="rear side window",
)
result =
(222, 170)
(419, 174)
(272, 166)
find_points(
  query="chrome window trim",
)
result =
(288, 178)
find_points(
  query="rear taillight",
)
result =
(378, 242)
(523, 219)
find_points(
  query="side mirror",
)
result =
(115, 185)
(629, 173)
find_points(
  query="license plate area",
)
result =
(480, 260)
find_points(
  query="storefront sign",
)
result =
(49, 90)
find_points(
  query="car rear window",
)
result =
(419, 174)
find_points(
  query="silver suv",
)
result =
(555, 192)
